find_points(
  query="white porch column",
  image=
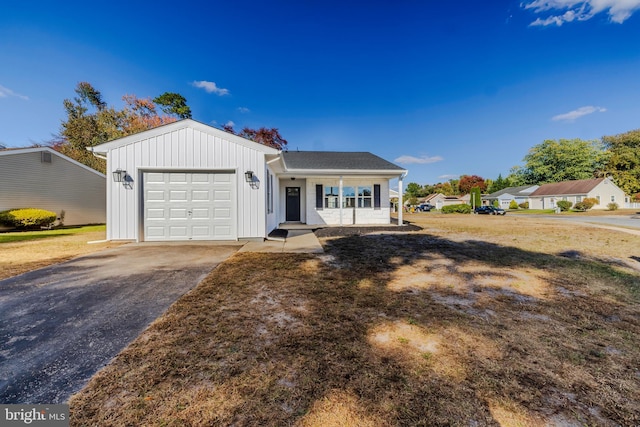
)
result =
(400, 201)
(340, 198)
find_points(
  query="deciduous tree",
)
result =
(499, 184)
(90, 121)
(467, 182)
(623, 161)
(561, 160)
(174, 103)
(269, 137)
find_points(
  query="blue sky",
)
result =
(442, 88)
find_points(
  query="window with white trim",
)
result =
(364, 197)
(348, 197)
(331, 195)
(269, 193)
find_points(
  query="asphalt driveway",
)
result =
(61, 324)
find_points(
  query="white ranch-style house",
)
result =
(190, 181)
(546, 196)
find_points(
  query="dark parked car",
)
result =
(425, 207)
(489, 210)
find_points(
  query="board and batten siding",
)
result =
(62, 185)
(184, 149)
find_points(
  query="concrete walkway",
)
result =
(297, 242)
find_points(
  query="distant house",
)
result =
(40, 177)
(439, 200)
(602, 189)
(504, 197)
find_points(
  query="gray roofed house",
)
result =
(40, 177)
(504, 197)
(189, 181)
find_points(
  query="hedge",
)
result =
(564, 205)
(27, 218)
(464, 209)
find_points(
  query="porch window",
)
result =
(348, 197)
(331, 195)
(364, 197)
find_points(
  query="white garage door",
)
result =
(189, 206)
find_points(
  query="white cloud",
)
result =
(576, 114)
(581, 10)
(5, 92)
(243, 110)
(230, 123)
(449, 176)
(210, 87)
(408, 160)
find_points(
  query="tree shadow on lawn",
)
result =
(385, 330)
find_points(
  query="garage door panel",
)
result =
(201, 178)
(156, 195)
(178, 195)
(222, 195)
(201, 214)
(188, 206)
(201, 195)
(155, 213)
(156, 232)
(178, 214)
(178, 178)
(222, 178)
(178, 232)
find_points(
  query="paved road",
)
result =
(61, 324)
(614, 221)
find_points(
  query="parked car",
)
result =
(424, 207)
(489, 210)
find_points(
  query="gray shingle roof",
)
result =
(514, 191)
(336, 160)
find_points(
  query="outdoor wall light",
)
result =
(119, 175)
(248, 176)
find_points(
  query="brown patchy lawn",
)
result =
(30, 250)
(472, 321)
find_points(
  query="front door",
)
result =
(293, 204)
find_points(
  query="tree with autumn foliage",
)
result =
(90, 121)
(269, 137)
(467, 182)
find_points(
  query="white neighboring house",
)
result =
(504, 197)
(603, 189)
(190, 181)
(40, 177)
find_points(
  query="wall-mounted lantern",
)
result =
(248, 176)
(119, 175)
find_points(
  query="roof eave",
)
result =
(334, 172)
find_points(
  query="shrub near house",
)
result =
(462, 208)
(27, 218)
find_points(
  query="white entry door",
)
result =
(189, 206)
